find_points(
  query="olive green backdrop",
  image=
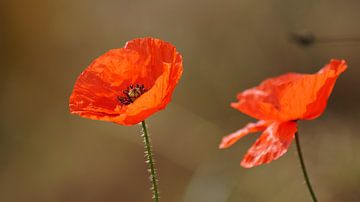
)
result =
(48, 155)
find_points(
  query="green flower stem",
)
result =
(150, 161)
(307, 179)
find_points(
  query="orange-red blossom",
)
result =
(127, 85)
(278, 103)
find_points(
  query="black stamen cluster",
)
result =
(131, 94)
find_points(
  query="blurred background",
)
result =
(48, 155)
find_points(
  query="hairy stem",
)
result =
(303, 168)
(150, 162)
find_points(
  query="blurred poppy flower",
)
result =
(278, 103)
(128, 84)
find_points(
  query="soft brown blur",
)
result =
(48, 155)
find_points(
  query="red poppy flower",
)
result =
(278, 103)
(129, 84)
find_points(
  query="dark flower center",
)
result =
(131, 94)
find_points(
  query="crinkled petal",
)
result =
(229, 140)
(148, 61)
(272, 144)
(291, 96)
(162, 54)
(96, 89)
(153, 100)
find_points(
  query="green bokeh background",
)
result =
(48, 155)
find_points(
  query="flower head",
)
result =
(278, 103)
(128, 84)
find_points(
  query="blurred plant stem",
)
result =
(303, 168)
(150, 161)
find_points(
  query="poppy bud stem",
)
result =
(149, 159)
(307, 179)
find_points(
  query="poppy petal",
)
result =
(328, 76)
(164, 55)
(153, 100)
(229, 140)
(291, 96)
(95, 91)
(273, 143)
(146, 61)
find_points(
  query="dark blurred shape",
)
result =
(304, 38)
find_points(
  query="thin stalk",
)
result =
(303, 168)
(150, 161)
